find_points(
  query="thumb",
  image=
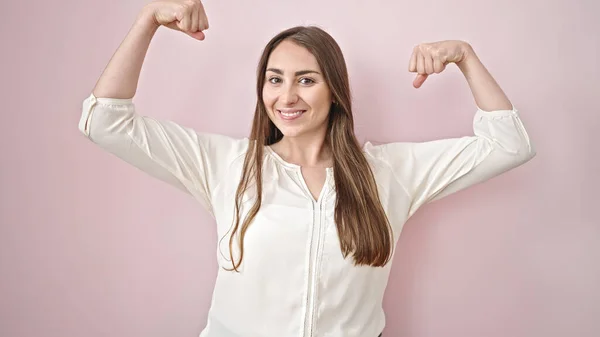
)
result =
(199, 35)
(419, 80)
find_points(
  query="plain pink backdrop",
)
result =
(89, 246)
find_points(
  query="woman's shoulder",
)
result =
(222, 142)
(222, 149)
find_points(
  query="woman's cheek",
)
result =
(269, 97)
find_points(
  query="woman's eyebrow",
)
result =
(298, 73)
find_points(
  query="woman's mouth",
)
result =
(290, 114)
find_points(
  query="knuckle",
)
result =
(189, 4)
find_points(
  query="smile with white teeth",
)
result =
(290, 113)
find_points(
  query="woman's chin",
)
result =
(291, 132)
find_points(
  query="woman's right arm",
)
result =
(120, 78)
(192, 161)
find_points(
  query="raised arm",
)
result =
(193, 162)
(121, 76)
(430, 58)
(430, 170)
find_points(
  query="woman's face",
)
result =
(295, 94)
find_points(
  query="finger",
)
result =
(428, 64)
(203, 19)
(200, 18)
(412, 63)
(420, 64)
(195, 19)
(179, 14)
(185, 23)
(175, 25)
(190, 20)
(419, 80)
(438, 65)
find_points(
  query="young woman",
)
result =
(307, 218)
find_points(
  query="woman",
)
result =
(307, 218)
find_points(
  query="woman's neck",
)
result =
(305, 152)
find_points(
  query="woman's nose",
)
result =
(289, 95)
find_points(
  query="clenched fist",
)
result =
(187, 16)
(430, 58)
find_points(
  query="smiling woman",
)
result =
(310, 124)
(296, 91)
(308, 218)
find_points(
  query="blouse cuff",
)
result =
(88, 105)
(496, 113)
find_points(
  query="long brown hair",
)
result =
(362, 224)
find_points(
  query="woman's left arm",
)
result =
(487, 93)
(431, 170)
(430, 58)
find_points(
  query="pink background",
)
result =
(91, 247)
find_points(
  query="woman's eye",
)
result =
(274, 80)
(305, 80)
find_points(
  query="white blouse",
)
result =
(293, 280)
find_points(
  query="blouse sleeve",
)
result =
(431, 170)
(193, 162)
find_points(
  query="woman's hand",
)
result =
(186, 16)
(430, 58)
